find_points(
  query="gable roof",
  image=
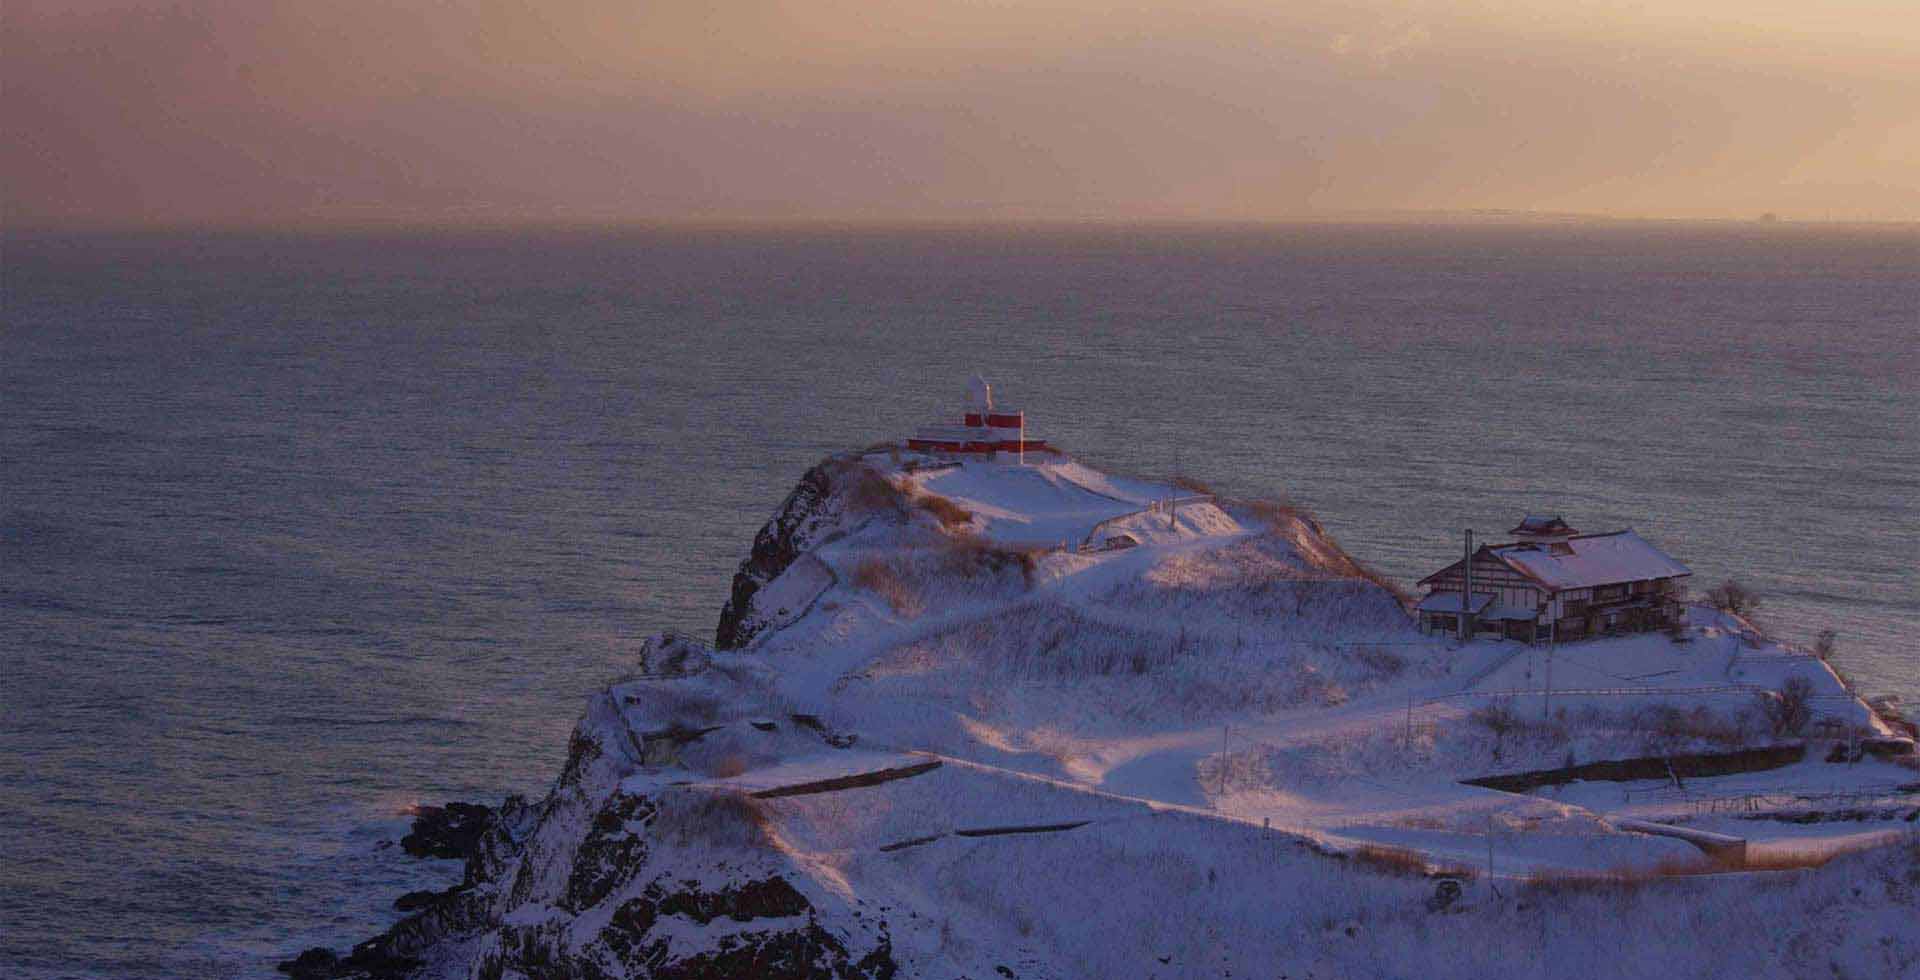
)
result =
(1588, 560)
(1542, 525)
(1583, 561)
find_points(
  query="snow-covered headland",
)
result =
(977, 717)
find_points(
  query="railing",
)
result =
(1166, 506)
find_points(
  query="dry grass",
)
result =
(968, 555)
(947, 569)
(1400, 862)
(866, 491)
(1347, 566)
(1380, 660)
(950, 514)
(1279, 516)
(879, 576)
(1618, 880)
(1390, 860)
(713, 818)
(1295, 524)
(1368, 572)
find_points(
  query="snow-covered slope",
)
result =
(986, 720)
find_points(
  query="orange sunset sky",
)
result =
(267, 111)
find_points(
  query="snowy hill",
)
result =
(977, 719)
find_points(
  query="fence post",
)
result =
(1409, 722)
(1223, 760)
(1490, 883)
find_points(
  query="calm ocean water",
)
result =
(298, 530)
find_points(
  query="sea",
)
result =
(298, 530)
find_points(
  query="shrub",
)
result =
(1668, 728)
(1497, 716)
(1789, 709)
(1732, 597)
(1191, 485)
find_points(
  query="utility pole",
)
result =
(1173, 502)
(1553, 643)
(1466, 591)
(1490, 884)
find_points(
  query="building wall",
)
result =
(1572, 614)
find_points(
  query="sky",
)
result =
(131, 112)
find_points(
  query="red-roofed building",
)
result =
(984, 429)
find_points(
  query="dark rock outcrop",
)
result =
(804, 952)
(777, 545)
(614, 848)
(479, 835)
(837, 497)
(450, 831)
(366, 962)
(595, 882)
(671, 655)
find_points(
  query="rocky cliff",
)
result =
(793, 529)
(603, 879)
(949, 731)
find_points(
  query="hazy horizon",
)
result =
(480, 112)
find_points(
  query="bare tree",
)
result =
(1789, 709)
(1827, 644)
(1732, 597)
(1499, 718)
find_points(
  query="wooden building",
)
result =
(1554, 582)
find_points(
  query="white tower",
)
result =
(979, 395)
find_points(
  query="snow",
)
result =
(788, 597)
(1595, 559)
(1449, 602)
(1223, 710)
(1042, 503)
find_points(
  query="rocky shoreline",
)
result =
(565, 888)
(456, 831)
